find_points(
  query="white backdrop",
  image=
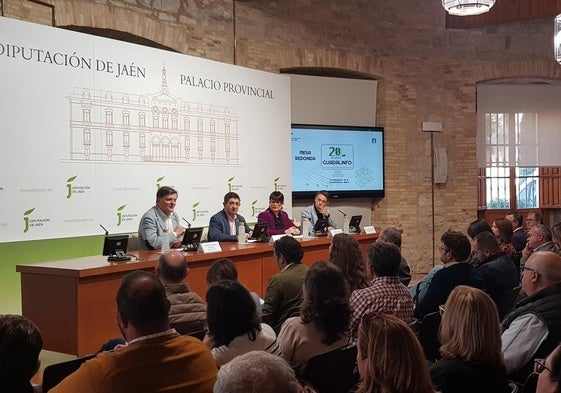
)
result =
(90, 127)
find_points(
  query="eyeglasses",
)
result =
(523, 268)
(441, 309)
(441, 248)
(539, 366)
(530, 219)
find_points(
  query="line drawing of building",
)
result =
(108, 126)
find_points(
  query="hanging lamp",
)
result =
(467, 7)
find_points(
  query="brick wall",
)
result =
(426, 73)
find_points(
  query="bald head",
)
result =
(548, 264)
(172, 267)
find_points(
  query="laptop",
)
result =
(192, 238)
(321, 227)
(354, 224)
(260, 232)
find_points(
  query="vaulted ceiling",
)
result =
(506, 11)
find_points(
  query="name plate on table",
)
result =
(208, 247)
(333, 232)
(274, 238)
(369, 230)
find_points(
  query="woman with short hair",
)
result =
(472, 360)
(390, 358)
(234, 326)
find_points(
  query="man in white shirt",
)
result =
(533, 328)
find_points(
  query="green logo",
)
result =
(69, 186)
(275, 182)
(119, 216)
(159, 181)
(253, 208)
(195, 211)
(26, 219)
(230, 180)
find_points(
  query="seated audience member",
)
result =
(519, 236)
(419, 290)
(256, 372)
(187, 308)
(278, 220)
(160, 219)
(533, 328)
(454, 252)
(319, 211)
(539, 239)
(502, 229)
(390, 358)
(153, 349)
(533, 219)
(386, 293)
(474, 229)
(225, 269)
(283, 296)
(497, 271)
(471, 345)
(392, 235)
(233, 323)
(324, 317)
(20, 345)
(223, 226)
(549, 372)
(345, 253)
(556, 235)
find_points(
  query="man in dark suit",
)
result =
(223, 226)
(519, 236)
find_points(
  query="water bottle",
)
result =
(165, 241)
(346, 224)
(305, 228)
(241, 232)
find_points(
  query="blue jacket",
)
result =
(219, 227)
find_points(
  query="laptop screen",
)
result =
(192, 236)
(260, 230)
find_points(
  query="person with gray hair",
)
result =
(393, 236)
(539, 239)
(256, 372)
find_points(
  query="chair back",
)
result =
(334, 371)
(55, 373)
(428, 336)
(188, 328)
(506, 300)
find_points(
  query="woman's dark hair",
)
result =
(231, 312)
(505, 230)
(477, 227)
(221, 269)
(326, 301)
(347, 256)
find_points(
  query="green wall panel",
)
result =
(37, 251)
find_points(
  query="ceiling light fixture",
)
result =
(467, 7)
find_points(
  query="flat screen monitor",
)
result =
(192, 238)
(346, 161)
(354, 224)
(260, 231)
(115, 246)
(321, 226)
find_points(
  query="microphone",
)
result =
(106, 231)
(342, 212)
(188, 223)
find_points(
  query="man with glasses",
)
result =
(533, 328)
(454, 252)
(533, 219)
(539, 239)
(319, 211)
